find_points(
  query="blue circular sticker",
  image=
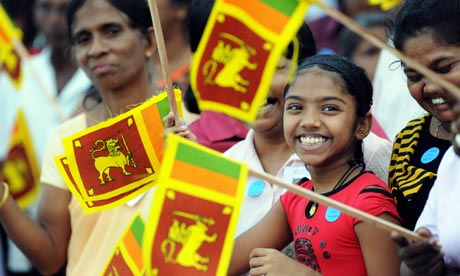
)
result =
(332, 214)
(256, 187)
(430, 155)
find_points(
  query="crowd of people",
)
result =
(318, 129)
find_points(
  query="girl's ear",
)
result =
(364, 127)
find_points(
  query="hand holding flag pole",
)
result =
(352, 25)
(163, 58)
(376, 221)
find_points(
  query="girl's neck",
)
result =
(327, 179)
(178, 53)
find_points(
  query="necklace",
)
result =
(312, 206)
(436, 133)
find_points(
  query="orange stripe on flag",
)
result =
(134, 249)
(262, 13)
(204, 178)
(154, 122)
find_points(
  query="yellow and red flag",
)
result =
(114, 161)
(127, 257)
(9, 60)
(195, 211)
(239, 51)
(20, 169)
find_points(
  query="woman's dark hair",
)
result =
(440, 17)
(136, 10)
(352, 77)
(307, 44)
(349, 39)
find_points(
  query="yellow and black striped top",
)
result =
(404, 176)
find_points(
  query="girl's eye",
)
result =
(293, 106)
(330, 108)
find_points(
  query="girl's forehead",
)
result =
(318, 82)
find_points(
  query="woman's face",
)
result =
(109, 50)
(442, 59)
(270, 116)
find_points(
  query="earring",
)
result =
(148, 54)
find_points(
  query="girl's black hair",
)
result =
(440, 17)
(356, 82)
(136, 10)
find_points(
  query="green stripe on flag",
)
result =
(137, 228)
(285, 6)
(191, 155)
(163, 107)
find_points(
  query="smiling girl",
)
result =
(326, 117)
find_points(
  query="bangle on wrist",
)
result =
(6, 193)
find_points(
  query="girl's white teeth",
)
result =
(311, 141)
(438, 101)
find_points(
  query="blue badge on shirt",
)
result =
(430, 155)
(332, 214)
(256, 188)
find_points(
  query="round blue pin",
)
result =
(256, 187)
(332, 214)
(430, 155)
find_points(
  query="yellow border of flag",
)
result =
(277, 44)
(166, 185)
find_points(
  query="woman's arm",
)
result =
(43, 241)
(379, 251)
(420, 258)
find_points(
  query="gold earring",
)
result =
(148, 54)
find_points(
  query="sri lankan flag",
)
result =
(195, 211)
(239, 52)
(114, 161)
(127, 257)
(20, 169)
(9, 60)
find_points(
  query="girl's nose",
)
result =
(310, 120)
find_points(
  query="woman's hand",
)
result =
(420, 258)
(271, 262)
(181, 129)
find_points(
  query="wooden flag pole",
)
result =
(339, 206)
(163, 58)
(352, 25)
(24, 55)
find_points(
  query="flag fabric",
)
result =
(239, 52)
(20, 169)
(385, 4)
(114, 161)
(9, 59)
(127, 257)
(195, 211)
